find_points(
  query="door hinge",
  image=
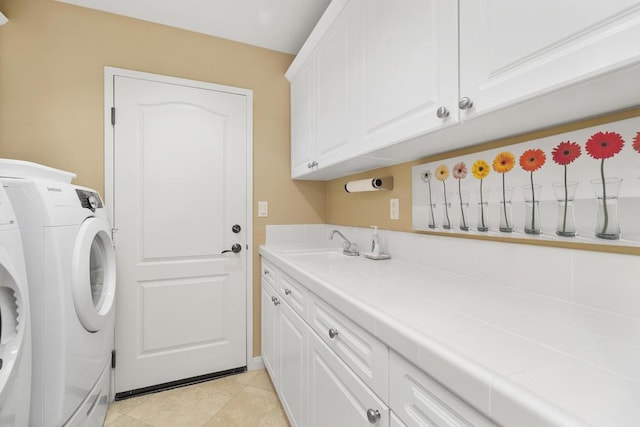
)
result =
(113, 116)
(113, 359)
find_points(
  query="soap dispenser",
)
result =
(375, 242)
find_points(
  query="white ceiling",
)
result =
(281, 25)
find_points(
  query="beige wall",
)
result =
(52, 58)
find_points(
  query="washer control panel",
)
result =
(89, 199)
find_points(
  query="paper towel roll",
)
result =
(370, 184)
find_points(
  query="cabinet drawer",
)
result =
(419, 400)
(268, 272)
(294, 294)
(337, 397)
(364, 354)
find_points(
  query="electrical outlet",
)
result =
(263, 209)
(394, 208)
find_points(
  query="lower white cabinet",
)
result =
(268, 329)
(291, 350)
(418, 400)
(284, 346)
(328, 371)
(336, 396)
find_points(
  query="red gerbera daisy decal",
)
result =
(604, 145)
(566, 152)
(636, 142)
(532, 160)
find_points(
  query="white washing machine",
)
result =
(72, 282)
(15, 335)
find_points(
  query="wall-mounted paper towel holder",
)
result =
(369, 184)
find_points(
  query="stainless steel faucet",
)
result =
(349, 248)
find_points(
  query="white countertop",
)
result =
(519, 358)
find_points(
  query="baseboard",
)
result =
(255, 364)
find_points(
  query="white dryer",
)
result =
(15, 335)
(72, 282)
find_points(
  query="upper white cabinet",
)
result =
(379, 82)
(337, 64)
(303, 148)
(410, 69)
(510, 50)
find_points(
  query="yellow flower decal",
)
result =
(504, 162)
(442, 172)
(480, 169)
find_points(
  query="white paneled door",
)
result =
(180, 193)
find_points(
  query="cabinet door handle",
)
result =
(287, 291)
(373, 415)
(465, 103)
(266, 272)
(275, 300)
(442, 112)
(309, 165)
(333, 333)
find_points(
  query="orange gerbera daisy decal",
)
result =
(532, 160)
(504, 162)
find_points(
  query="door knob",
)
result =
(236, 228)
(442, 112)
(236, 248)
(465, 103)
(373, 415)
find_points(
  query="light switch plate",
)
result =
(263, 209)
(394, 208)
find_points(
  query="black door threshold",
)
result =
(178, 383)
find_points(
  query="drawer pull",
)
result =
(373, 415)
(266, 272)
(275, 301)
(333, 333)
(287, 291)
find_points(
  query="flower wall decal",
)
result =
(442, 173)
(460, 173)
(564, 154)
(480, 170)
(636, 142)
(530, 161)
(503, 163)
(426, 178)
(602, 146)
(514, 194)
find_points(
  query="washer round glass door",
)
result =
(93, 280)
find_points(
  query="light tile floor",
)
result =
(247, 399)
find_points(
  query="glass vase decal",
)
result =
(459, 173)
(564, 154)
(602, 146)
(607, 223)
(503, 163)
(442, 173)
(531, 161)
(431, 218)
(483, 210)
(506, 210)
(480, 170)
(532, 208)
(465, 196)
(565, 193)
(446, 209)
